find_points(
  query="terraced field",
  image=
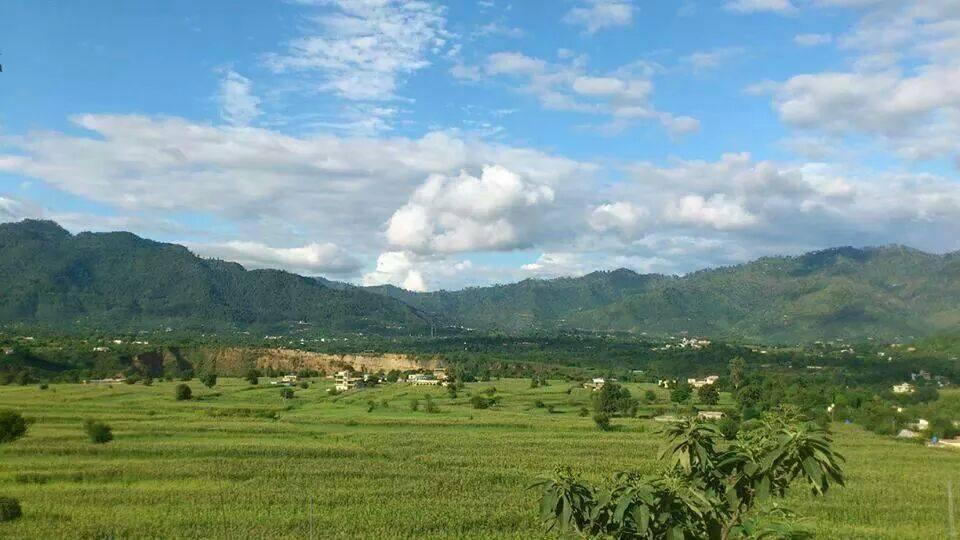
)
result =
(240, 462)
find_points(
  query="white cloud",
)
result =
(497, 210)
(12, 209)
(238, 105)
(716, 211)
(623, 217)
(903, 89)
(759, 6)
(623, 95)
(712, 59)
(595, 15)
(812, 40)
(362, 49)
(312, 259)
(276, 189)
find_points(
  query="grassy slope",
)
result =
(176, 470)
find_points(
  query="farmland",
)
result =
(239, 461)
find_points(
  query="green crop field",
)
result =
(240, 462)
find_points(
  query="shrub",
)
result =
(44, 386)
(148, 381)
(539, 404)
(480, 402)
(12, 426)
(431, 407)
(209, 379)
(183, 392)
(452, 391)
(584, 411)
(371, 405)
(602, 420)
(98, 432)
(650, 396)
(286, 393)
(414, 405)
(252, 377)
(9, 509)
(304, 385)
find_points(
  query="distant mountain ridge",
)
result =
(118, 280)
(883, 292)
(121, 281)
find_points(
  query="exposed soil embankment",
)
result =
(235, 361)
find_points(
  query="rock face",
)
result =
(293, 360)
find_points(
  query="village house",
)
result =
(903, 388)
(667, 383)
(422, 379)
(699, 383)
(595, 384)
(710, 415)
(286, 380)
(346, 380)
(116, 379)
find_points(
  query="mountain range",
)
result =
(118, 280)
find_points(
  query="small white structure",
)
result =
(907, 434)
(596, 383)
(666, 383)
(903, 388)
(422, 379)
(706, 381)
(117, 379)
(710, 415)
(286, 380)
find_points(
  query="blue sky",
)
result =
(440, 145)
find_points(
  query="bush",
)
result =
(9, 509)
(286, 393)
(650, 396)
(480, 402)
(183, 392)
(708, 394)
(252, 377)
(148, 381)
(414, 405)
(304, 385)
(12, 426)
(584, 411)
(539, 404)
(98, 432)
(602, 420)
(44, 386)
(209, 379)
(431, 407)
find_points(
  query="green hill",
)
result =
(120, 281)
(885, 292)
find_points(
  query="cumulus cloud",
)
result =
(712, 59)
(312, 259)
(623, 217)
(276, 189)
(496, 210)
(238, 105)
(12, 209)
(716, 211)
(362, 49)
(595, 15)
(903, 89)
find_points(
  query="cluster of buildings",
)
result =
(348, 380)
(706, 381)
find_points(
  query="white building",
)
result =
(596, 383)
(904, 388)
(707, 381)
(346, 380)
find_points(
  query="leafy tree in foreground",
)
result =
(682, 393)
(12, 426)
(710, 488)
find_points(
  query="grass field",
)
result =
(221, 465)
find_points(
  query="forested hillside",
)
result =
(886, 292)
(118, 280)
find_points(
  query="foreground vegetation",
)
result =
(237, 460)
